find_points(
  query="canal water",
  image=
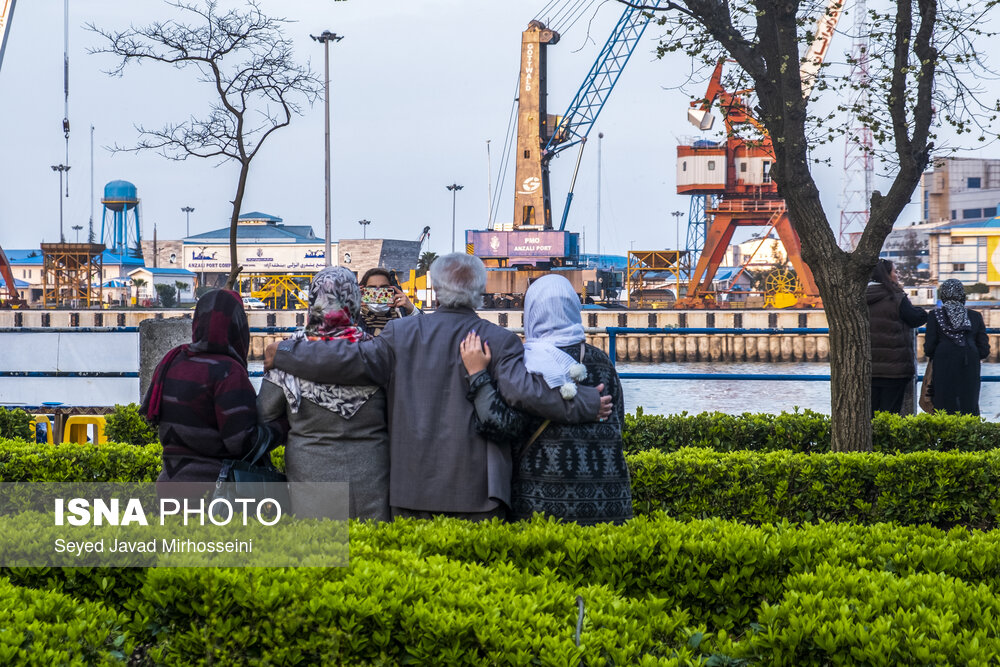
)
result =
(655, 396)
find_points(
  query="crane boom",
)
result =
(6, 15)
(582, 112)
(818, 48)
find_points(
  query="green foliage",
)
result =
(977, 288)
(15, 424)
(656, 592)
(127, 426)
(167, 294)
(40, 627)
(939, 488)
(805, 432)
(69, 462)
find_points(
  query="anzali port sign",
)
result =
(519, 244)
(305, 257)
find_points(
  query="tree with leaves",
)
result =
(246, 57)
(424, 263)
(921, 61)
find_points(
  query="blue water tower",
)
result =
(120, 220)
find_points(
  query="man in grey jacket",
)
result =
(439, 464)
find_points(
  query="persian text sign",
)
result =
(258, 258)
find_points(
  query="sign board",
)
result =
(299, 257)
(523, 244)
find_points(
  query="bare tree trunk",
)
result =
(235, 268)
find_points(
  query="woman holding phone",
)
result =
(382, 300)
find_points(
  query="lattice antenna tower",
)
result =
(855, 198)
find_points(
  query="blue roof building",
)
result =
(255, 228)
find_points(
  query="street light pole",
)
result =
(62, 169)
(77, 229)
(188, 210)
(677, 246)
(454, 187)
(324, 38)
(364, 227)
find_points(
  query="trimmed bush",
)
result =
(125, 425)
(805, 432)
(46, 628)
(68, 462)
(939, 488)
(15, 424)
(655, 591)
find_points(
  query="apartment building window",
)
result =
(974, 182)
(990, 212)
(969, 213)
(957, 240)
(953, 215)
(958, 267)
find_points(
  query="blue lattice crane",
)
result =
(582, 112)
(530, 238)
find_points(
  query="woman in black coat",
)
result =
(892, 318)
(956, 342)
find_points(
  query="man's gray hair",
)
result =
(459, 280)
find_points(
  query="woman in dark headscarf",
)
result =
(201, 398)
(338, 432)
(892, 319)
(957, 343)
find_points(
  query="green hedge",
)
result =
(656, 592)
(40, 627)
(943, 489)
(805, 431)
(940, 488)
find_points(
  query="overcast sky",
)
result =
(418, 87)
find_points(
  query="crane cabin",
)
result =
(733, 167)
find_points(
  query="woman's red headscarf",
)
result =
(219, 326)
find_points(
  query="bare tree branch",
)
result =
(244, 55)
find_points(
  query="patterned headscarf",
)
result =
(551, 321)
(334, 303)
(952, 316)
(219, 326)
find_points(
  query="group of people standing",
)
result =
(440, 414)
(955, 344)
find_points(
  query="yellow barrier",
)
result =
(75, 429)
(48, 431)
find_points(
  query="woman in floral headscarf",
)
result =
(575, 472)
(956, 341)
(337, 432)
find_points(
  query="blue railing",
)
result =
(613, 332)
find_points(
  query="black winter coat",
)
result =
(892, 318)
(956, 367)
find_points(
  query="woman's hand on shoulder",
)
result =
(475, 353)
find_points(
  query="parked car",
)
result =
(253, 303)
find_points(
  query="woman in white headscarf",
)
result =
(337, 433)
(575, 472)
(957, 343)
